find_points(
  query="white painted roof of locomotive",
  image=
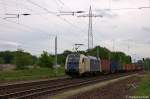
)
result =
(92, 57)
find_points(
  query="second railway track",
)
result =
(35, 89)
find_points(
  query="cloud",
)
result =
(116, 0)
(146, 41)
(106, 13)
(120, 25)
(147, 29)
(10, 43)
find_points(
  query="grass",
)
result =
(144, 87)
(30, 74)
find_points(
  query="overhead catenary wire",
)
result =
(65, 20)
(24, 30)
(30, 10)
(47, 49)
(61, 2)
(19, 5)
(71, 23)
(48, 12)
(26, 26)
(64, 4)
(30, 47)
(62, 18)
(55, 14)
(4, 6)
(60, 6)
(45, 18)
(23, 6)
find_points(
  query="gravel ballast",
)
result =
(118, 88)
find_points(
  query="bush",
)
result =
(46, 60)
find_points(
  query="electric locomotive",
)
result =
(79, 64)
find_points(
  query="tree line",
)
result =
(23, 59)
(146, 63)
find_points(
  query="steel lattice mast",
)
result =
(90, 31)
(90, 27)
(90, 15)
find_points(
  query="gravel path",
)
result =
(117, 90)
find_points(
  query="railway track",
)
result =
(9, 88)
(35, 89)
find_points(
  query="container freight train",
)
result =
(79, 64)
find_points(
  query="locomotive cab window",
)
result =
(83, 60)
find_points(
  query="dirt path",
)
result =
(118, 90)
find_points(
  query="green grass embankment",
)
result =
(144, 87)
(30, 74)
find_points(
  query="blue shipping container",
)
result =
(94, 65)
(114, 66)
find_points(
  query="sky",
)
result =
(124, 25)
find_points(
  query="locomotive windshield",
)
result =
(73, 61)
(73, 58)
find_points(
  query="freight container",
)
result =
(120, 67)
(129, 67)
(105, 66)
(133, 67)
(114, 66)
(138, 66)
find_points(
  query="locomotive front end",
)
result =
(72, 64)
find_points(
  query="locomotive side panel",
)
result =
(94, 64)
(87, 65)
(83, 64)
